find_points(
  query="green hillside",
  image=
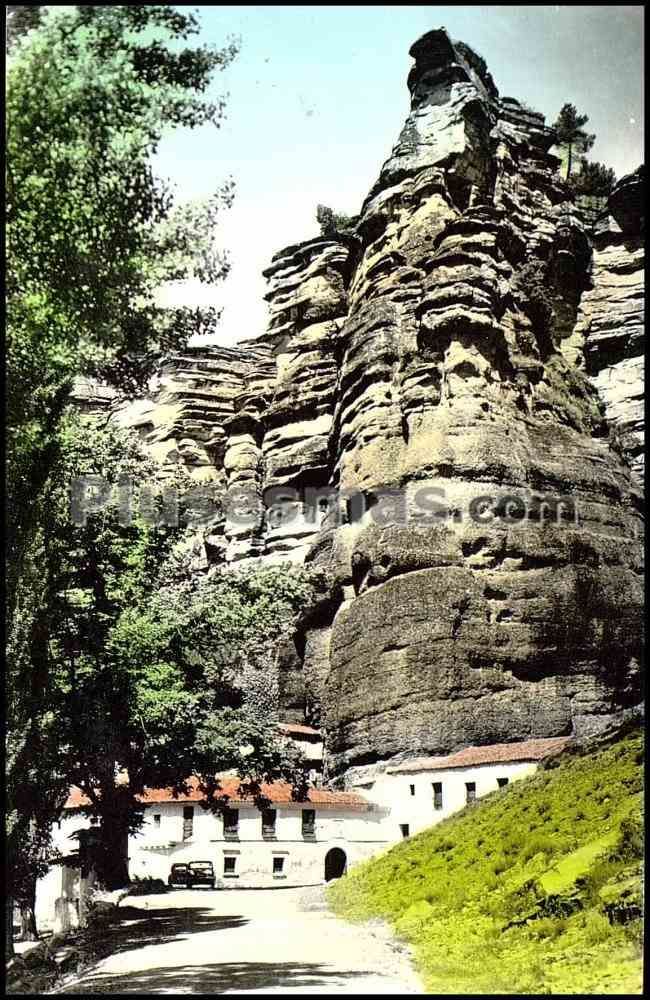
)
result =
(534, 889)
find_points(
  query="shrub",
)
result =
(332, 222)
(535, 297)
(629, 846)
(597, 927)
(594, 179)
(146, 885)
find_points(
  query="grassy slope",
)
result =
(508, 896)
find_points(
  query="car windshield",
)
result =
(179, 868)
(204, 865)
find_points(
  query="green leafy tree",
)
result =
(571, 136)
(146, 677)
(90, 92)
(19, 19)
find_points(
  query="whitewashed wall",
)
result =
(398, 799)
(410, 798)
(157, 846)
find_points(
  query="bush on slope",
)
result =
(534, 889)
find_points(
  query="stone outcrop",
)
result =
(473, 349)
(610, 322)
(453, 377)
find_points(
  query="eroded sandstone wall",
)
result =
(477, 337)
(611, 320)
(471, 633)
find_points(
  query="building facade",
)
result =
(288, 842)
(420, 792)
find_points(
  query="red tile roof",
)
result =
(294, 728)
(497, 753)
(279, 792)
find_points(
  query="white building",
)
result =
(420, 792)
(294, 843)
(288, 843)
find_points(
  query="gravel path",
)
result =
(244, 941)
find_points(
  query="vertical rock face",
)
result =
(453, 377)
(454, 370)
(307, 304)
(610, 321)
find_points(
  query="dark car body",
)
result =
(201, 873)
(178, 875)
(191, 874)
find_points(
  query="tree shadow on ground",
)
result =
(220, 978)
(137, 928)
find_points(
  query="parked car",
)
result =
(201, 873)
(178, 876)
(192, 873)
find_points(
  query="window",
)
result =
(502, 782)
(268, 823)
(412, 787)
(188, 822)
(437, 794)
(404, 827)
(231, 824)
(278, 865)
(308, 822)
(230, 866)
(156, 819)
(470, 791)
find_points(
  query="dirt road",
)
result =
(242, 941)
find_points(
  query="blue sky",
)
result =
(318, 96)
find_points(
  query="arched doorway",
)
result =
(335, 864)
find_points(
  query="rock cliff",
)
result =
(471, 352)
(610, 320)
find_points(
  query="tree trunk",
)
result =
(28, 930)
(9, 928)
(27, 903)
(112, 862)
(569, 162)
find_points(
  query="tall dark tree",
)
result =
(91, 233)
(146, 673)
(571, 136)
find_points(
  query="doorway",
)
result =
(336, 864)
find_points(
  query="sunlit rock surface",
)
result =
(477, 335)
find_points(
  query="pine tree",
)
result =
(569, 128)
(594, 179)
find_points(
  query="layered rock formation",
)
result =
(452, 376)
(610, 322)
(474, 339)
